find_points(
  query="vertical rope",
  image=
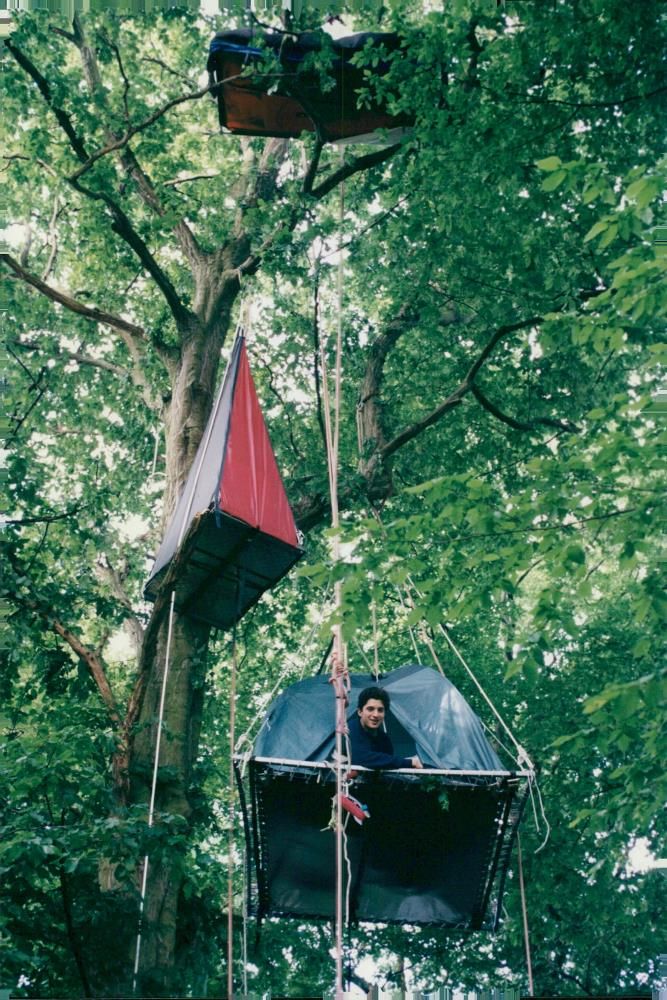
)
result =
(151, 805)
(376, 655)
(230, 840)
(339, 675)
(524, 913)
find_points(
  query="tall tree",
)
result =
(501, 292)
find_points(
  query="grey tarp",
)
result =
(436, 847)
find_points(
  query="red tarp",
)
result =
(250, 485)
(233, 527)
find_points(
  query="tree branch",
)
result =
(96, 670)
(47, 518)
(119, 142)
(456, 397)
(131, 335)
(612, 103)
(316, 358)
(187, 180)
(354, 167)
(52, 238)
(521, 425)
(64, 299)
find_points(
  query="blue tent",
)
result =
(437, 846)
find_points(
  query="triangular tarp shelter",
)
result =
(254, 100)
(437, 845)
(233, 534)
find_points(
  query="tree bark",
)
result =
(183, 704)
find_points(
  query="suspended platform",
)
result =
(437, 846)
(267, 85)
(232, 535)
(435, 850)
(223, 567)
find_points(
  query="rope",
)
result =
(376, 656)
(245, 924)
(156, 436)
(151, 805)
(524, 913)
(412, 635)
(538, 793)
(522, 756)
(230, 843)
(339, 672)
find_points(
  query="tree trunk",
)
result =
(182, 714)
(193, 391)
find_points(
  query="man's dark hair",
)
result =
(376, 693)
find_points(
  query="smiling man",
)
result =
(370, 745)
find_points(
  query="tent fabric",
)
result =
(427, 715)
(298, 103)
(233, 530)
(250, 485)
(436, 848)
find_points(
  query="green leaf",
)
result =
(548, 163)
(609, 236)
(554, 180)
(595, 230)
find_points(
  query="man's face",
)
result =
(372, 714)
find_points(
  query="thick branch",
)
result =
(90, 312)
(96, 670)
(115, 581)
(74, 943)
(63, 118)
(521, 425)
(119, 143)
(121, 224)
(457, 396)
(309, 176)
(356, 166)
(370, 424)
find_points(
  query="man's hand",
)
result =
(415, 761)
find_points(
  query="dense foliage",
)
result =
(501, 298)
